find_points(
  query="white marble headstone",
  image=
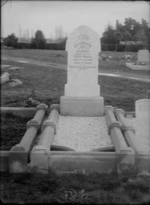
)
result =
(142, 109)
(142, 113)
(83, 47)
(143, 56)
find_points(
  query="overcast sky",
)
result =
(47, 15)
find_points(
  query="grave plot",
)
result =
(38, 151)
(81, 134)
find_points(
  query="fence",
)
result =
(123, 48)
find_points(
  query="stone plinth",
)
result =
(82, 106)
(82, 89)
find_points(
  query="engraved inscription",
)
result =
(83, 59)
(145, 106)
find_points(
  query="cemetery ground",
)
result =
(45, 83)
(44, 75)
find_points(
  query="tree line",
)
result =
(38, 42)
(129, 36)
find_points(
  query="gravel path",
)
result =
(82, 133)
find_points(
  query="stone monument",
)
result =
(143, 57)
(142, 109)
(82, 91)
(142, 113)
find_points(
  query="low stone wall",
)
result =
(137, 67)
(126, 156)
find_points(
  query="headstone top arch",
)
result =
(83, 36)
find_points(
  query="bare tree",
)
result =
(59, 34)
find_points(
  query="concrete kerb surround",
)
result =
(39, 154)
(19, 154)
(63, 161)
(82, 162)
(71, 161)
(142, 159)
(126, 156)
(120, 113)
(43, 159)
(16, 111)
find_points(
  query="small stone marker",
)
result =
(82, 92)
(142, 113)
(143, 57)
(142, 109)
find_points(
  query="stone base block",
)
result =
(82, 106)
(82, 90)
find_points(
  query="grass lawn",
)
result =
(60, 57)
(40, 55)
(48, 84)
(12, 130)
(126, 188)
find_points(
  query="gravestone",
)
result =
(142, 113)
(143, 57)
(82, 91)
(142, 109)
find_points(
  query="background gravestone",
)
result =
(143, 57)
(142, 113)
(82, 92)
(142, 109)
